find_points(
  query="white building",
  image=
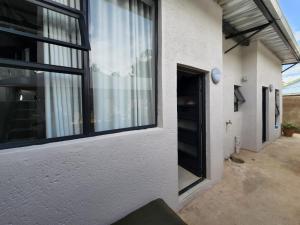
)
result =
(88, 137)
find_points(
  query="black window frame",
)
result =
(277, 108)
(84, 72)
(238, 98)
(63, 9)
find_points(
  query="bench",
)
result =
(156, 212)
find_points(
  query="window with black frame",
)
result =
(122, 58)
(238, 98)
(277, 108)
(41, 71)
(54, 85)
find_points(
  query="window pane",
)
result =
(19, 48)
(238, 95)
(27, 17)
(71, 3)
(277, 107)
(38, 105)
(122, 63)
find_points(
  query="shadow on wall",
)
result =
(291, 110)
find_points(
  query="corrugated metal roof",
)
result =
(246, 14)
(293, 88)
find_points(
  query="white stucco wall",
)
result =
(269, 73)
(97, 180)
(250, 121)
(261, 68)
(233, 73)
(192, 36)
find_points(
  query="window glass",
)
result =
(238, 98)
(24, 49)
(122, 63)
(277, 108)
(76, 4)
(236, 104)
(38, 105)
(27, 17)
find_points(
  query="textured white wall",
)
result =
(100, 179)
(192, 35)
(269, 72)
(89, 181)
(232, 66)
(249, 125)
(262, 68)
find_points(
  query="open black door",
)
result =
(264, 114)
(191, 121)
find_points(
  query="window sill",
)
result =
(80, 139)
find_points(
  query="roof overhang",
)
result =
(263, 20)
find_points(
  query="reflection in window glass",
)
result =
(122, 63)
(76, 4)
(23, 49)
(37, 105)
(27, 17)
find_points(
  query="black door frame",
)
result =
(201, 112)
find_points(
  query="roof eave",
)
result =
(284, 27)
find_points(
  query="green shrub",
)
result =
(290, 126)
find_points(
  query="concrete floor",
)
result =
(263, 191)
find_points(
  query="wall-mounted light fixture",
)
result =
(216, 75)
(271, 87)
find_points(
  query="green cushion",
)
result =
(156, 212)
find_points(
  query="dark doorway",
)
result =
(264, 114)
(191, 121)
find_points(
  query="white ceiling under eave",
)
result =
(278, 37)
